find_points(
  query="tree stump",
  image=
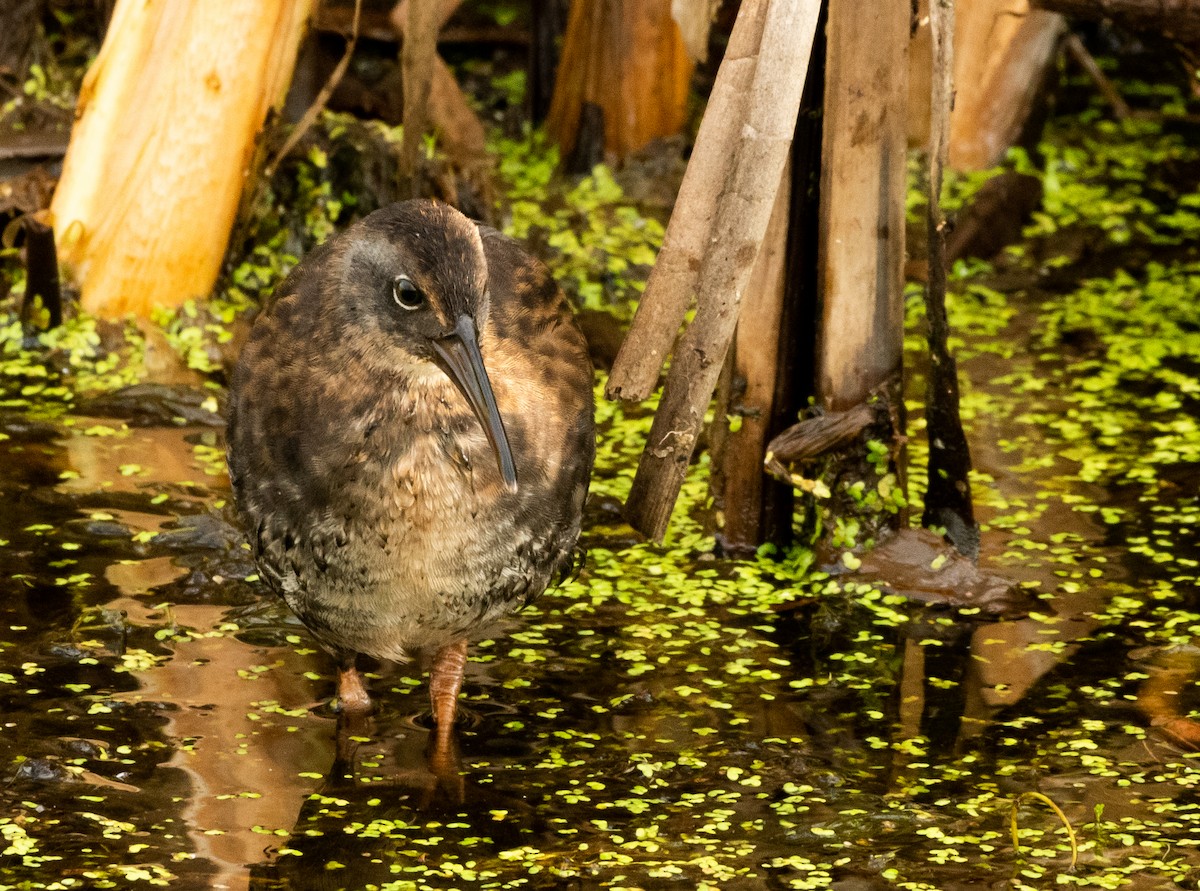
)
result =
(1005, 52)
(628, 58)
(164, 143)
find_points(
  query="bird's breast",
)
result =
(432, 452)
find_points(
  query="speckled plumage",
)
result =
(371, 495)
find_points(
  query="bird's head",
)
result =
(415, 276)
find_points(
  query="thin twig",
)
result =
(310, 116)
(1080, 54)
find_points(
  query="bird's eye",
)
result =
(407, 294)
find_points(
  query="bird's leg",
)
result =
(445, 682)
(351, 692)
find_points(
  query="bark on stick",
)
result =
(743, 210)
(418, 58)
(672, 284)
(448, 112)
(948, 498)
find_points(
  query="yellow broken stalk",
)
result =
(164, 143)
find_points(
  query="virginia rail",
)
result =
(410, 441)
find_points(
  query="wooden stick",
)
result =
(742, 213)
(941, 99)
(948, 498)
(695, 20)
(314, 111)
(399, 14)
(418, 55)
(672, 283)
(816, 436)
(861, 262)
(1079, 53)
(459, 130)
(1176, 19)
(460, 133)
(748, 392)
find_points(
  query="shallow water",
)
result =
(667, 720)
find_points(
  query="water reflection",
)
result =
(616, 730)
(1164, 696)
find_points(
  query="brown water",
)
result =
(667, 721)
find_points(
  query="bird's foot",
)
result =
(445, 683)
(352, 697)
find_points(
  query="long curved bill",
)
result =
(460, 352)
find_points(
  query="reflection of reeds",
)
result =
(234, 716)
(1159, 697)
(133, 460)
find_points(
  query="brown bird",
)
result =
(410, 440)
